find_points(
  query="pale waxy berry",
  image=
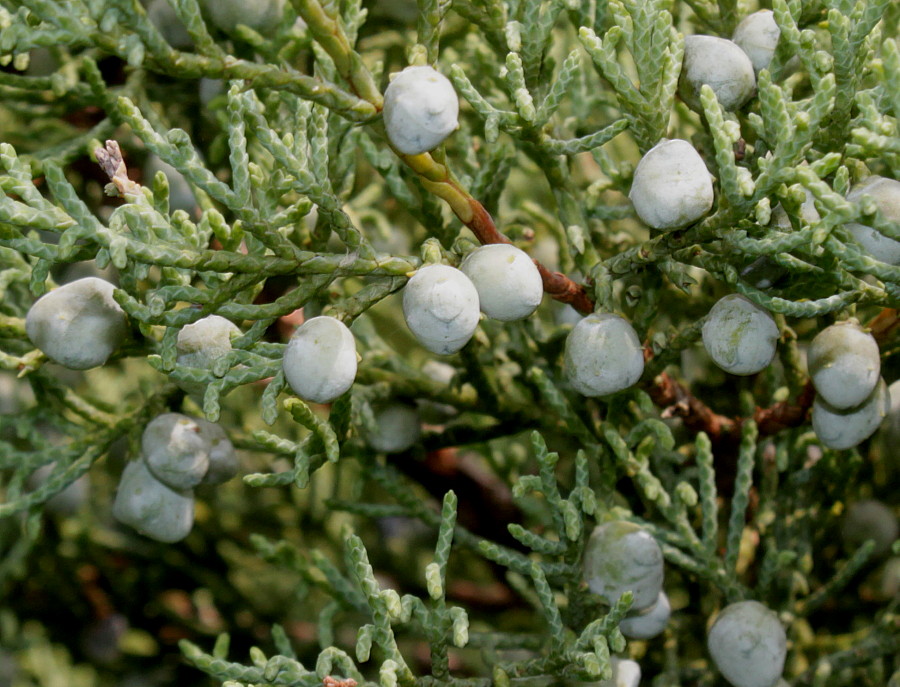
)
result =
(890, 429)
(603, 355)
(748, 645)
(671, 187)
(181, 195)
(441, 308)
(319, 361)
(70, 499)
(202, 343)
(650, 622)
(869, 519)
(842, 428)
(223, 460)
(398, 428)
(260, 15)
(625, 673)
(507, 280)
(844, 363)
(77, 325)
(152, 508)
(739, 335)
(807, 212)
(619, 557)
(886, 195)
(175, 451)
(720, 64)
(757, 35)
(166, 20)
(421, 109)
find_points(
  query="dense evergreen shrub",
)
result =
(487, 517)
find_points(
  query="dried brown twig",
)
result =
(113, 164)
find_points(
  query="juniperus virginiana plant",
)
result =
(459, 560)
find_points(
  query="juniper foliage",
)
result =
(457, 562)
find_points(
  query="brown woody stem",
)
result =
(438, 180)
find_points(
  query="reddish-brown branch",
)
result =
(785, 414)
(884, 324)
(677, 401)
(329, 681)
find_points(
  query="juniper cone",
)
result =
(449, 343)
(175, 451)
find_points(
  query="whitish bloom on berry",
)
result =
(152, 508)
(508, 282)
(671, 187)
(720, 64)
(421, 109)
(748, 645)
(757, 35)
(886, 195)
(650, 622)
(739, 335)
(397, 428)
(78, 325)
(441, 308)
(603, 355)
(175, 451)
(844, 363)
(261, 15)
(320, 360)
(621, 556)
(202, 343)
(841, 428)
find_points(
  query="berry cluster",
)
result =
(155, 494)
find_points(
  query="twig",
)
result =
(884, 324)
(677, 401)
(438, 180)
(329, 681)
(112, 163)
